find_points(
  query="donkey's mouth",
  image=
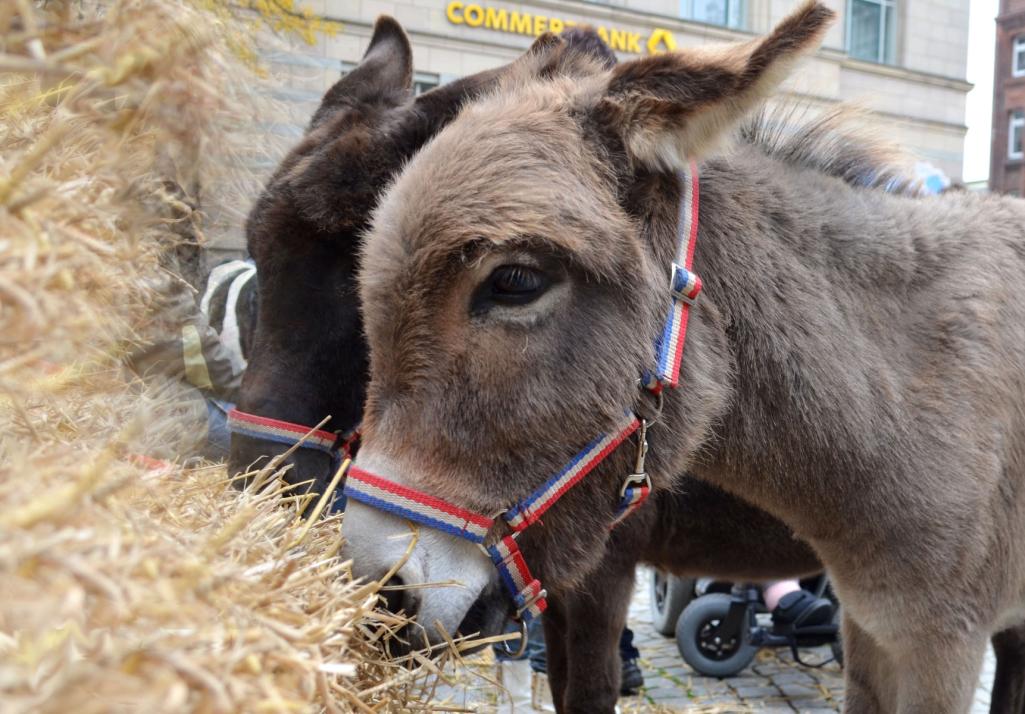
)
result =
(485, 618)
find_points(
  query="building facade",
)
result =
(1006, 159)
(903, 59)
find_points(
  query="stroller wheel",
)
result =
(704, 646)
(669, 594)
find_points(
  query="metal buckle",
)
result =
(497, 517)
(541, 595)
(683, 281)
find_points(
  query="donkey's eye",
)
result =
(516, 284)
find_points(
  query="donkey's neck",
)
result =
(822, 299)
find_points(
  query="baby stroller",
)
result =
(719, 627)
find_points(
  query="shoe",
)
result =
(800, 609)
(631, 678)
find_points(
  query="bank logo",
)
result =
(524, 23)
(661, 41)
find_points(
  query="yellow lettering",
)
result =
(520, 23)
(459, 12)
(452, 12)
(498, 19)
(474, 15)
(617, 40)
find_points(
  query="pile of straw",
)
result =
(125, 583)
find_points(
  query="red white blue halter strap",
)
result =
(524, 589)
(337, 446)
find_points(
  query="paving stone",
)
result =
(745, 680)
(756, 692)
(678, 704)
(666, 660)
(794, 676)
(663, 693)
(799, 691)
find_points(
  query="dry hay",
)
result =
(127, 584)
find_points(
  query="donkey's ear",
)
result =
(386, 69)
(674, 107)
(437, 107)
(387, 65)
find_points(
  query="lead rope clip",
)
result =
(639, 477)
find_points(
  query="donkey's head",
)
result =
(514, 282)
(309, 357)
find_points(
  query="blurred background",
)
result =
(924, 68)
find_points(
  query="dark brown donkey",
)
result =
(854, 365)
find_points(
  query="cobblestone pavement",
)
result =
(773, 682)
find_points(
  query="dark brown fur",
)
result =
(853, 365)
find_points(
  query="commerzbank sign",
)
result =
(517, 22)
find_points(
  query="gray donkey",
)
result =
(853, 365)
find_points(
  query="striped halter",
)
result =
(525, 590)
(338, 446)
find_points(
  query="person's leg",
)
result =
(218, 438)
(774, 592)
(536, 650)
(793, 607)
(631, 678)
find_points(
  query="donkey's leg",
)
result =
(868, 683)
(1009, 680)
(597, 615)
(557, 660)
(937, 675)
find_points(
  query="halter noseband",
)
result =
(525, 590)
(338, 446)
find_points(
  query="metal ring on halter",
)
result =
(660, 400)
(523, 641)
(497, 518)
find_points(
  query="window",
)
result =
(871, 30)
(728, 13)
(1014, 135)
(422, 81)
(1018, 56)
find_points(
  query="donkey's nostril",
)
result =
(394, 595)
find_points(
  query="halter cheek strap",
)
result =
(684, 286)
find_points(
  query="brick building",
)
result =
(1007, 161)
(903, 59)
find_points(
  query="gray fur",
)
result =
(854, 365)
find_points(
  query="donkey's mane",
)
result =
(839, 142)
